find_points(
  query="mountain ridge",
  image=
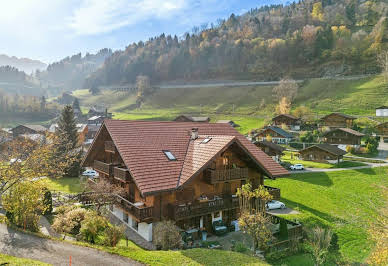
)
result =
(22, 63)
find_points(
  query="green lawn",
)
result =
(198, 256)
(342, 201)
(64, 184)
(15, 261)
(344, 164)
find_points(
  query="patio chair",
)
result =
(219, 228)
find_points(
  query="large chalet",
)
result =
(186, 172)
(343, 137)
(337, 120)
(292, 122)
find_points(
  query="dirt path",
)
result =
(19, 244)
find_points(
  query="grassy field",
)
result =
(198, 256)
(344, 164)
(343, 201)
(15, 261)
(242, 104)
(64, 184)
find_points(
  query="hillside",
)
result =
(23, 64)
(248, 105)
(300, 40)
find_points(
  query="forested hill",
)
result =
(71, 72)
(305, 39)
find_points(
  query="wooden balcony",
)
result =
(184, 211)
(105, 168)
(141, 213)
(275, 192)
(225, 175)
(121, 174)
(110, 147)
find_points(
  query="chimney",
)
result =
(194, 133)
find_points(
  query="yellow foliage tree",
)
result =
(317, 12)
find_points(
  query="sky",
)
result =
(49, 30)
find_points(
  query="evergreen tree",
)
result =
(68, 146)
(76, 105)
(67, 126)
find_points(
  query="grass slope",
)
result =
(198, 256)
(340, 200)
(64, 184)
(242, 104)
(15, 261)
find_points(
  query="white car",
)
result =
(90, 173)
(297, 166)
(275, 204)
(13, 160)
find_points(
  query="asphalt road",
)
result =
(19, 244)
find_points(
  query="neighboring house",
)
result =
(82, 130)
(382, 131)
(292, 122)
(343, 137)
(337, 120)
(271, 149)
(382, 111)
(96, 120)
(230, 122)
(5, 135)
(187, 118)
(322, 153)
(185, 172)
(277, 134)
(28, 130)
(95, 111)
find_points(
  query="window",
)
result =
(125, 217)
(169, 155)
(206, 140)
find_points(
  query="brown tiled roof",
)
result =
(141, 145)
(348, 130)
(271, 145)
(286, 115)
(327, 147)
(339, 114)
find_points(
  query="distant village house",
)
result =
(187, 118)
(271, 149)
(337, 120)
(277, 134)
(322, 153)
(292, 122)
(343, 137)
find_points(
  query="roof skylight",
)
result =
(206, 140)
(169, 155)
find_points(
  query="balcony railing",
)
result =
(217, 176)
(110, 147)
(201, 208)
(105, 168)
(275, 192)
(121, 173)
(142, 213)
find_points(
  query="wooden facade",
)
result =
(337, 120)
(339, 136)
(382, 129)
(317, 154)
(206, 197)
(290, 121)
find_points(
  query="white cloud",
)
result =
(101, 16)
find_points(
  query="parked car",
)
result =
(297, 166)
(90, 173)
(13, 160)
(275, 204)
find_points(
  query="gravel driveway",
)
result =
(19, 244)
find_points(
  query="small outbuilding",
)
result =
(322, 153)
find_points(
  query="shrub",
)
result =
(92, 226)
(70, 221)
(65, 208)
(318, 241)
(47, 202)
(113, 234)
(240, 247)
(167, 235)
(283, 230)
